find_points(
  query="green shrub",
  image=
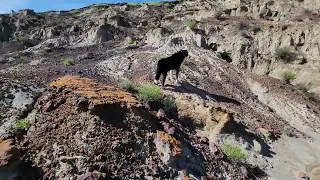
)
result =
(130, 41)
(288, 76)
(21, 58)
(284, 54)
(192, 24)
(152, 93)
(75, 11)
(234, 152)
(20, 65)
(43, 59)
(168, 103)
(68, 62)
(127, 85)
(22, 124)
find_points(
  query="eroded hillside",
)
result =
(60, 75)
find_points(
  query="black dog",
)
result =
(170, 63)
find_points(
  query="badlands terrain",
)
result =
(247, 105)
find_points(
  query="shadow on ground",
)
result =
(239, 131)
(189, 88)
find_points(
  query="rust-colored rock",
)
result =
(174, 143)
(98, 93)
(8, 152)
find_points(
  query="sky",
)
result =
(45, 5)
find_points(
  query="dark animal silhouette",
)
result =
(170, 63)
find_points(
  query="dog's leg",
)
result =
(177, 76)
(164, 78)
(157, 77)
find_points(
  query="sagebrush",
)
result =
(288, 76)
(22, 124)
(285, 54)
(168, 103)
(126, 84)
(68, 62)
(234, 152)
(152, 93)
(192, 24)
(75, 11)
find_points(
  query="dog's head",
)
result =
(184, 53)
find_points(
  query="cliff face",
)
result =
(231, 89)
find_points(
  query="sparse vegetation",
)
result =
(234, 152)
(130, 41)
(21, 58)
(75, 11)
(20, 38)
(285, 54)
(310, 95)
(126, 84)
(168, 103)
(192, 24)
(22, 125)
(100, 5)
(68, 62)
(20, 65)
(288, 76)
(152, 93)
(43, 59)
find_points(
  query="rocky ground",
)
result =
(63, 78)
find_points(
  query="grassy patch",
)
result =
(288, 76)
(285, 54)
(20, 38)
(43, 59)
(192, 24)
(21, 58)
(68, 62)
(152, 93)
(75, 11)
(234, 152)
(168, 103)
(20, 65)
(126, 84)
(22, 125)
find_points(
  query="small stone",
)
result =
(204, 140)
(264, 132)
(160, 113)
(147, 105)
(302, 175)
(48, 106)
